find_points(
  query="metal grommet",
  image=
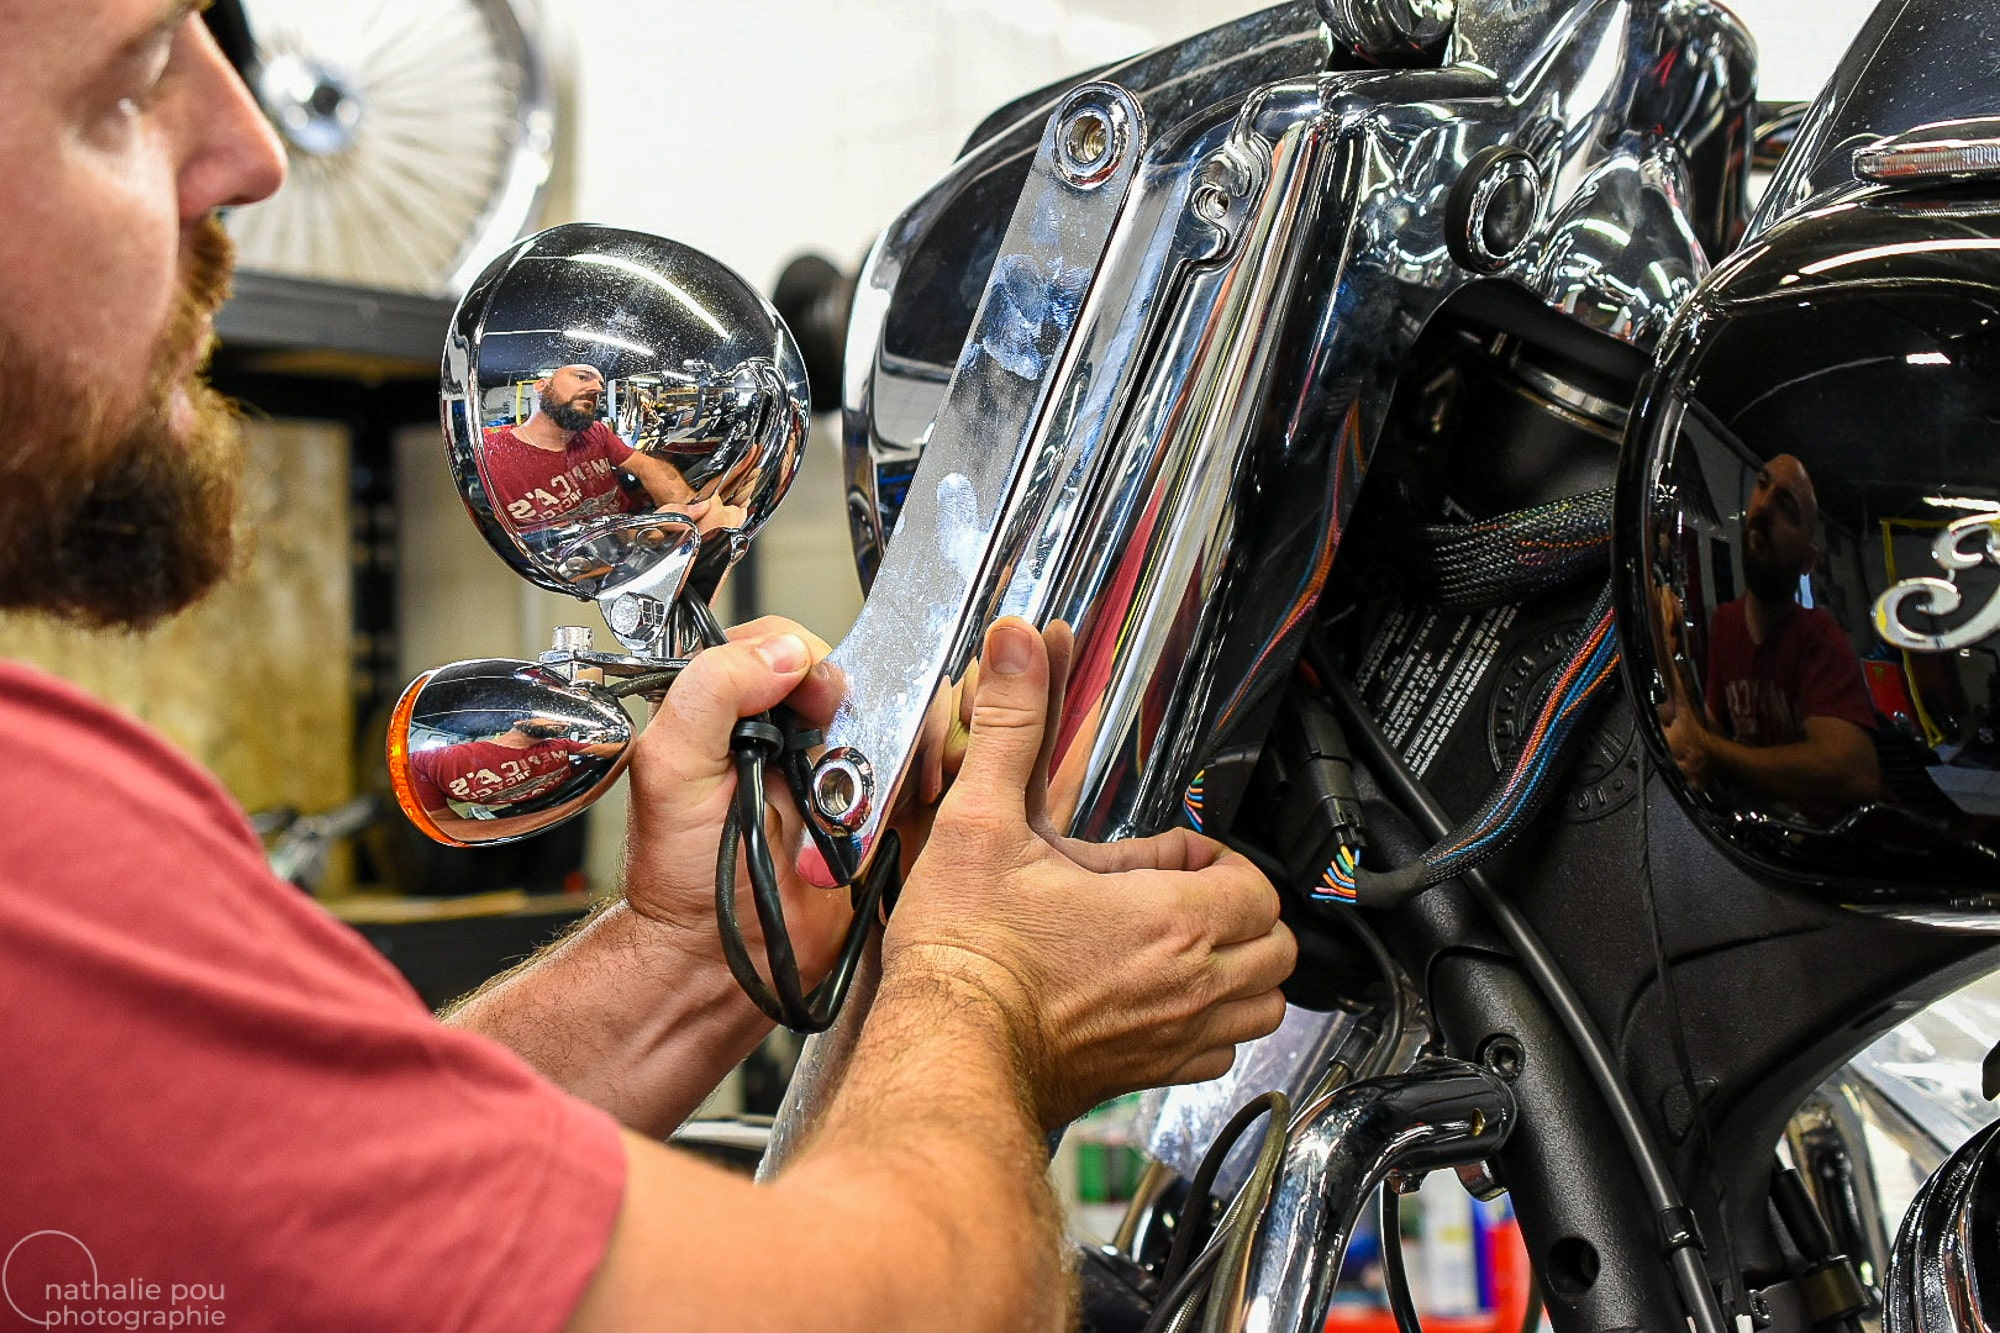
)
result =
(1493, 209)
(843, 787)
(1092, 137)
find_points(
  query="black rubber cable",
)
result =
(765, 894)
(735, 952)
(1395, 1278)
(1204, 1181)
(1391, 1039)
(1188, 1283)
(1690, 1276)
(755, 742)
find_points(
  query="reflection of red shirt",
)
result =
(1764, 693)
(539, 488)
(486, 772)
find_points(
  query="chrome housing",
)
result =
(1851, 349)
(1150, 405)
(1944, 1273)
(696, 372)
(492, 750)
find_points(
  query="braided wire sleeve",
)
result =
(1469, 566)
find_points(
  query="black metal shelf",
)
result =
(271, 312)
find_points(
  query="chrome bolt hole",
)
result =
(843, 786)
(1088, 140)
(1211, 203)
(837, 792)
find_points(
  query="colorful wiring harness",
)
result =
(1586, 676)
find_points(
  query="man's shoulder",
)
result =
(598, 437)
(1817, 624)
(81, 760)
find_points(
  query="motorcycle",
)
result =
(1454, 488)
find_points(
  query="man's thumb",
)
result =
(728, 682)
(1009, 711)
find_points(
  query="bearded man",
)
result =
(561, 465)
(223, 1107)
(1788, 716)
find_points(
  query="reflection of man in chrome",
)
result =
(529, 759)
(1785, 712)
(561, 465)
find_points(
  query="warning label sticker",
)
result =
(1423, 668)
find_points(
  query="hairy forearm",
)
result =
(622, 1016)
(662, 480)
(932, 1143)
(920, 1202)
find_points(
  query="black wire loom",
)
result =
(755, 744)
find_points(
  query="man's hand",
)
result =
(1145, 967)
(637, 1011)
(684, 778)
(1688, 742)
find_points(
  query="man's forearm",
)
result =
(934, 1128)
(1807, 770)
(920, 1202)
(621, 1016)
(662, 480)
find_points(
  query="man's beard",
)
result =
(567, 415)
(1770, 581)
(123, 522)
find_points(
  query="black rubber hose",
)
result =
(1675, 1220)
(1204, 1182)
(1395, 1278)
(735, 951)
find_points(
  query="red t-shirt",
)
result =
(540, 488)
(1763, 693)
(209, 1082)
(483, 772)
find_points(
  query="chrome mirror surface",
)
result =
(492, 750)
(622, 414)
(1809, 524)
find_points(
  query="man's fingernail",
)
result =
(784, 654)
(1010, 650)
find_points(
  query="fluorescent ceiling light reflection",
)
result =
(1904, 248)
(1928, 359)
(1967, 504)
(609, 340)
(672, 289)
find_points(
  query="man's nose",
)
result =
(233, 156)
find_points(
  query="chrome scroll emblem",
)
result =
(1964, 544)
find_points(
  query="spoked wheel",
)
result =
(418, 132)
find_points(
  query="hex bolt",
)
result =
(1503, 1054)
